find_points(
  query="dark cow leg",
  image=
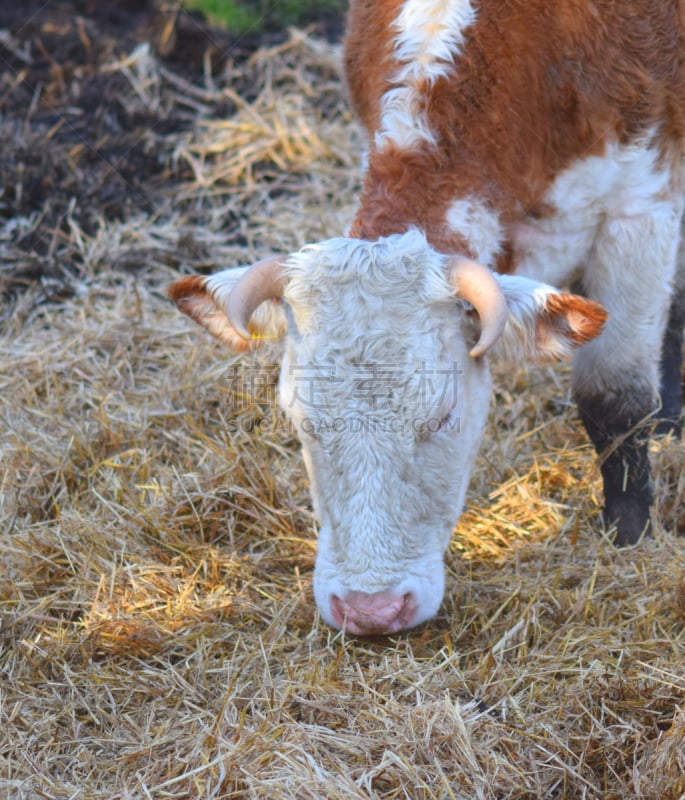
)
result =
(616, 376)
(619, 429)
(670, 416)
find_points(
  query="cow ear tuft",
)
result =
(568, 321)
(545, 324)
(203, 300)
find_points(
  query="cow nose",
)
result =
(365, 614)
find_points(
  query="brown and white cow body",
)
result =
(513, 146)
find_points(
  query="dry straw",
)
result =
(158, 633)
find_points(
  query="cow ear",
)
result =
(205, 299)
(545, 324)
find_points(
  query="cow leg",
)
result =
(615, 377)
(617, 425)
(670, 415)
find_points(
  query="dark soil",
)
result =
(77, 144)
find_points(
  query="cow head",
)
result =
(384, 378)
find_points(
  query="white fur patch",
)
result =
(616, 229)
(403, 121)
(429, 35)
(625, 183)
(631, 274)
(473, 219)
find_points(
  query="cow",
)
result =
(522, 195)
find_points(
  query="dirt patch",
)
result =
(93, 97)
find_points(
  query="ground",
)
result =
(83, 141)
(158, 635)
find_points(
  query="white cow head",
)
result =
(384, 378)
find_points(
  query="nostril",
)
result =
(410, 606)
(338, 610)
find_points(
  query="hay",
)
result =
(280, 129)
(158, 634)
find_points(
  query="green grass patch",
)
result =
(256, 16)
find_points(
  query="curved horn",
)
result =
(263, 281)
(476, 284)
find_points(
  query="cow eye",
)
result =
(441, 422)
(445, 422)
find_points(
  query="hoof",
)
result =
(626, 523)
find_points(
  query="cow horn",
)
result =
(476, 284)
(263, 281)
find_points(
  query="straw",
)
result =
(159, 637)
